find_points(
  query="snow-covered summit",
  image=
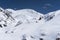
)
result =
(28, 24)
(26, 15)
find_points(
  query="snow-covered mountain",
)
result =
(27, 24)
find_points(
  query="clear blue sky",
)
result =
(43, 6)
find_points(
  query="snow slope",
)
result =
(27, 24)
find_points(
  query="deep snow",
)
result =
(27, 24)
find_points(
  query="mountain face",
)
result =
(27, 24)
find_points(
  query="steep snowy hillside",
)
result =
(27, 24)
(52, 28)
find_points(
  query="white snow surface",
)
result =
(27, 24)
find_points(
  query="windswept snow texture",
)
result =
(27, 24)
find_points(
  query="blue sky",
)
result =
(43, 6)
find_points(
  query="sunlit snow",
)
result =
(27, 24)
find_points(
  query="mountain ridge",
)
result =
(27, 24)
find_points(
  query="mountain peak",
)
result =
(28, 24)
